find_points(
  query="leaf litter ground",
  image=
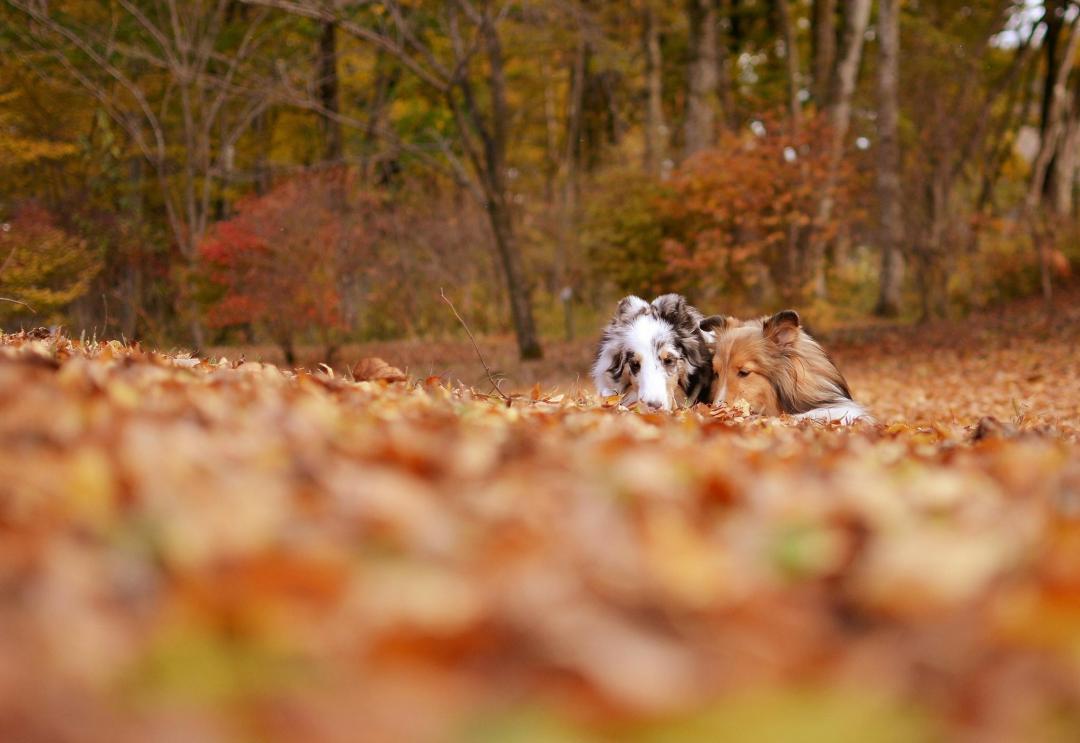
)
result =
(201, 550)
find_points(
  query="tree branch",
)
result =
(17, 301)
(381, 41)
(487, 369)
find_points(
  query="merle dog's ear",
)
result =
(669, 306)
(630, 307)
(674, 309)
(714, 323)
(782, 328)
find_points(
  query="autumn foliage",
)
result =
(42, 265)
(288, 261)
(744, 217)
(737, 224)
(213, 550)
(905, 160)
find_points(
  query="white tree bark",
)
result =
(890, 220)
(845, 76)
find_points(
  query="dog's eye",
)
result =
(635, 367)
(669, 361)
(744, 372)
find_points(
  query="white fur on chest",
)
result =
(844, 412)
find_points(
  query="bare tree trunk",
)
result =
(1054, 20)
(1017, 108)
(263, 130)
(288, 350)
(573, 153)
(552, 154)
(847, 70)
(844, 77)
(1053, 23)
(497, 207)
(824, 36)
(346, 271)
(891, 227)
(575, 111)
(510, 258)
(387, 76)
(786, 29)
(724, 44)
(929, 247)
(701, 104)
(656, 134)
(791, 58)
(328, 91)
(1062, 177)
(1055, 126)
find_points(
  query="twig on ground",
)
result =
(17, 301)
(487, 369)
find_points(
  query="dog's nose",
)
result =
(654, 404)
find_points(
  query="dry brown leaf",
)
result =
(374, 369)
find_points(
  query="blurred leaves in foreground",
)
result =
(212, 550)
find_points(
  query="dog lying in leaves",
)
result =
(776, 366)
(649, 351)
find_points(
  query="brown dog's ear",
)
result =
(714, 322)
(782, 328)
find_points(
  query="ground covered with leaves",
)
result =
(207, 550)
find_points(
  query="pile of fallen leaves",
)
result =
(216, 551)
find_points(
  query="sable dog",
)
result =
(774, 365)
(648, 351)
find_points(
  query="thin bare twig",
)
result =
(18, 301)
(487, 369)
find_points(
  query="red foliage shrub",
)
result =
(287, 260)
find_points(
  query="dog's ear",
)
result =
(670, 306)
(630, 307)
(617, 364)
(674, 309)
(782, 328)
(714, 323)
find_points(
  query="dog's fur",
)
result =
(776, 366)
(648, 351)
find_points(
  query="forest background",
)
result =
(314, 172)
